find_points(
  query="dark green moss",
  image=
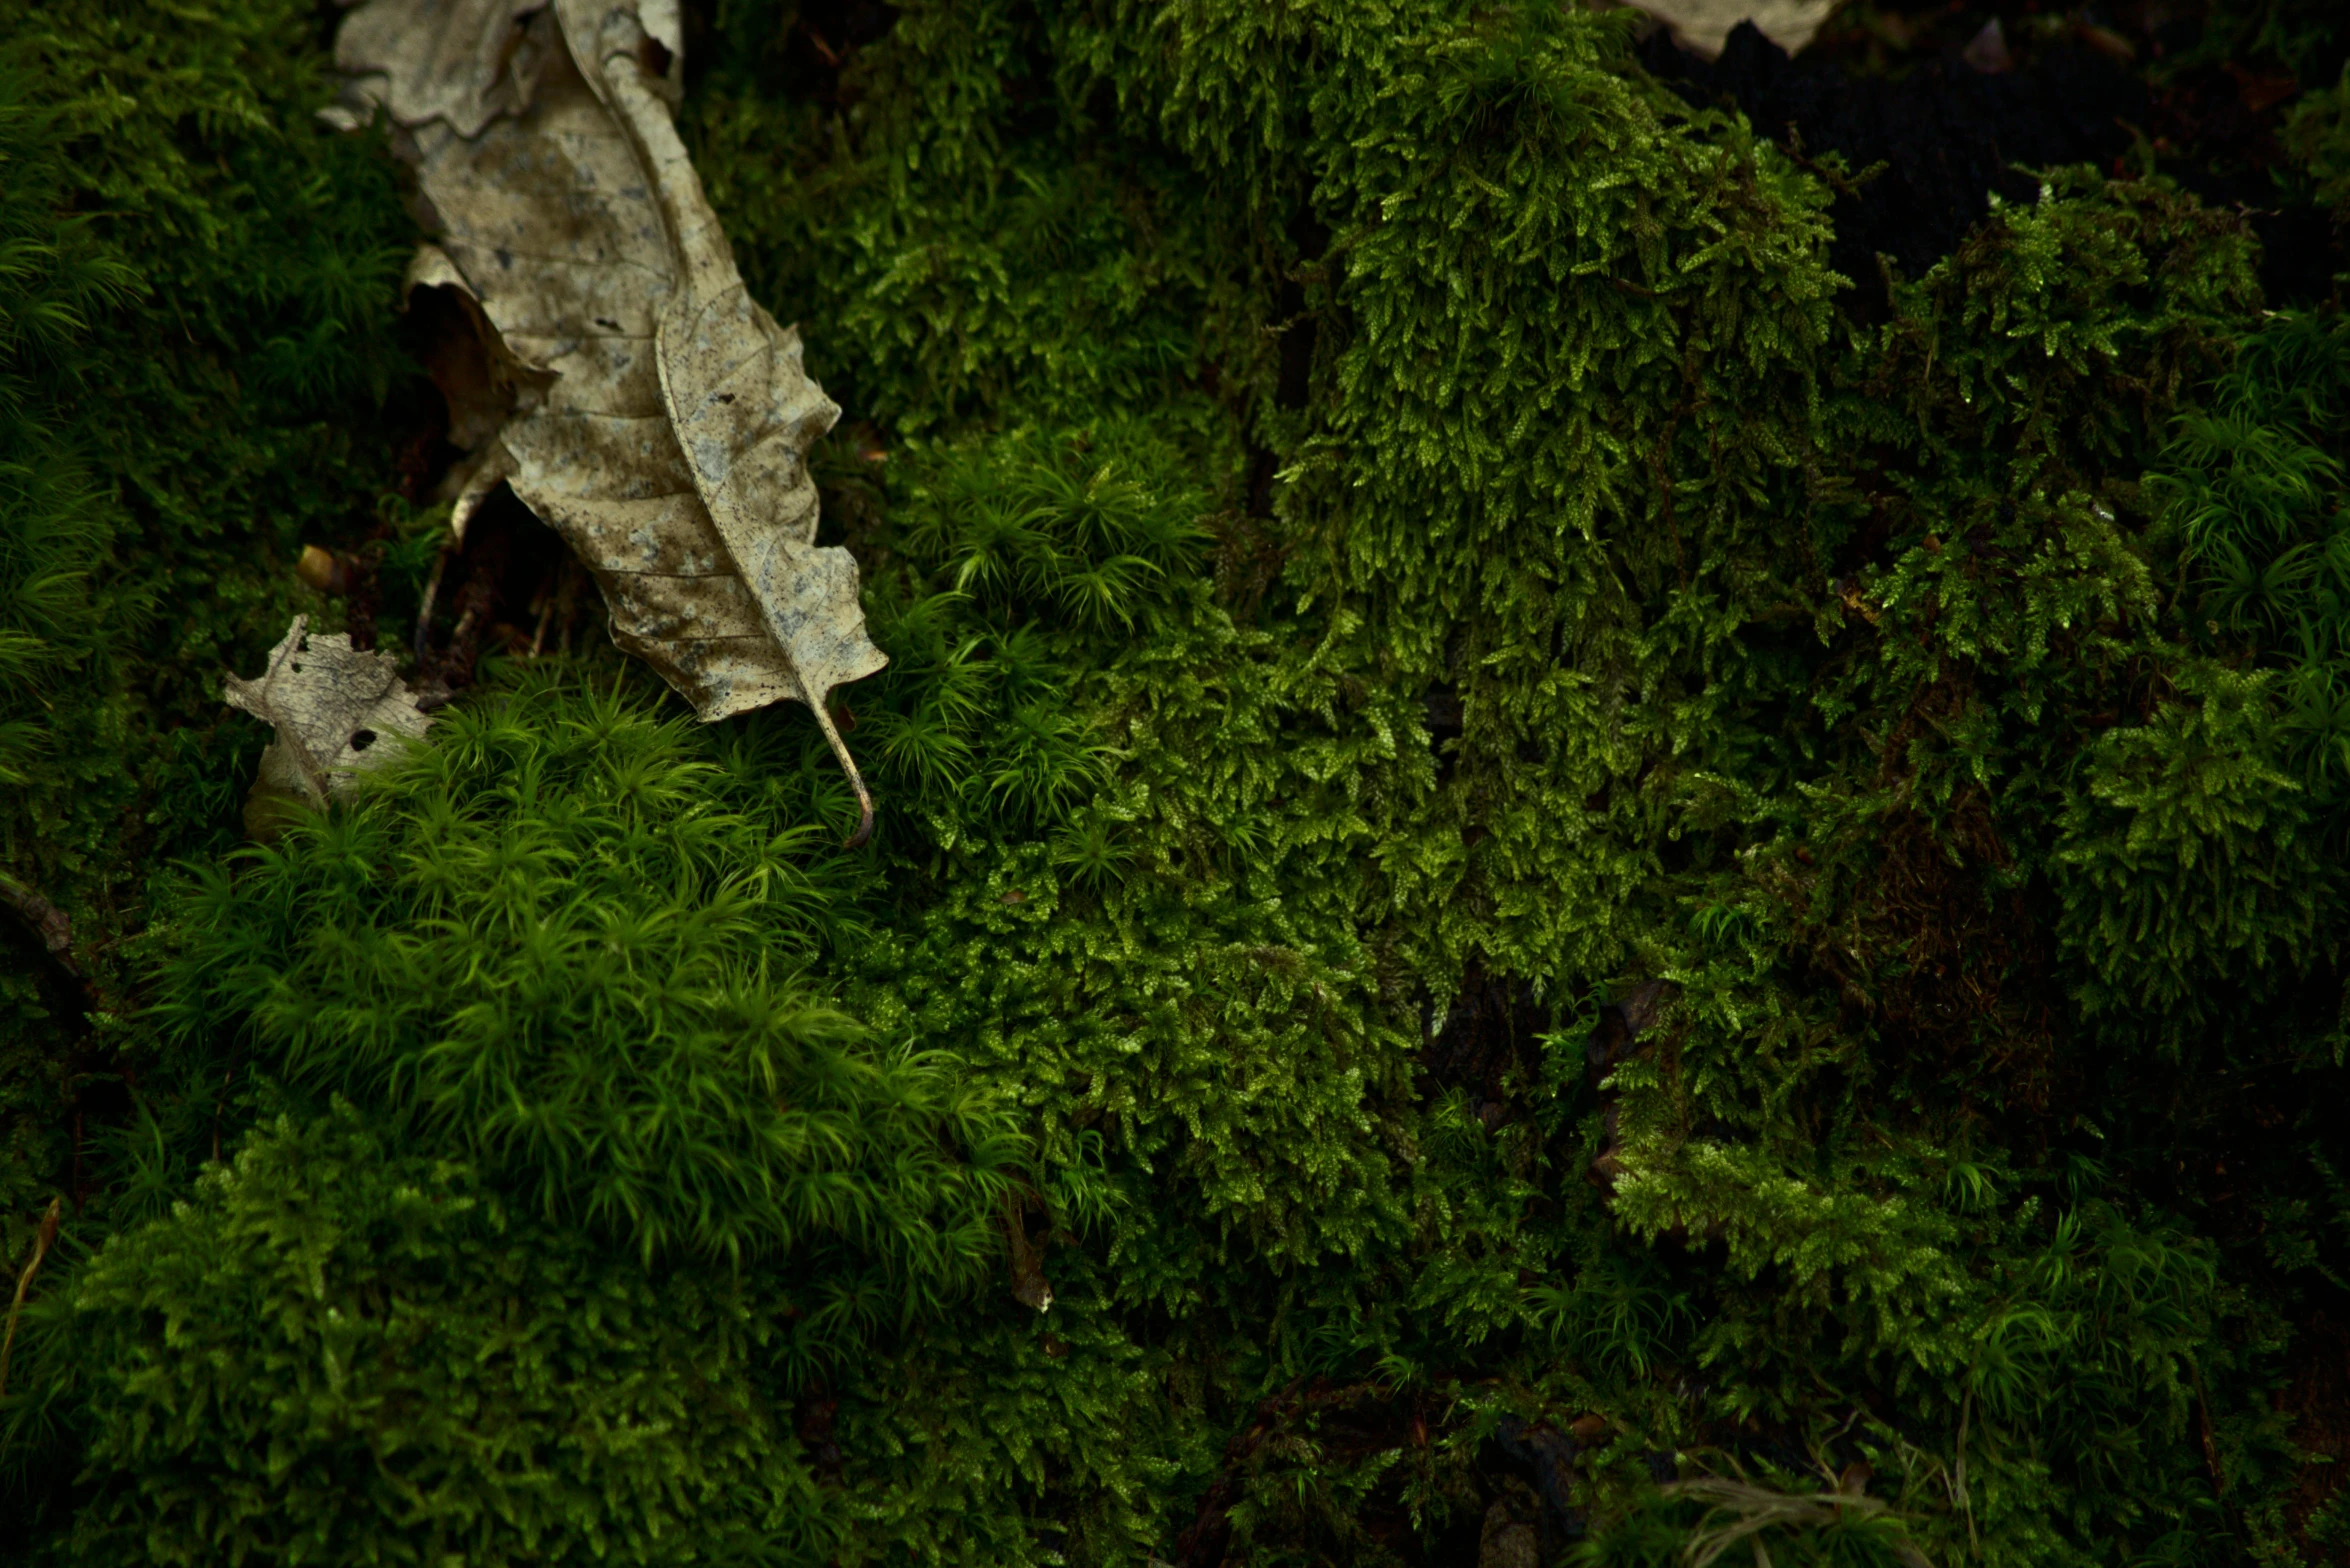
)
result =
(1521, 858)
(200, 347)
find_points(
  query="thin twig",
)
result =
(567, 601)
(547, 597)
(432, 592)
(1966, 1407)
(2211, 1462)
(42, 1240)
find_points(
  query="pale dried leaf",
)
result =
(665, 22)
(745, 413)
(462, 61)
(334, 707)
(1702, 26)
(669, 448)
(472, 482)
(481, 382)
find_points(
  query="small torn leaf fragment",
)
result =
(334, 708)
(669, 445)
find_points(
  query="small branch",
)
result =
(1966, 1407)
(42, 1241)
(432, 592)
(548, 597)
(2211, 1460)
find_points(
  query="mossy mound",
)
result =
(1548, 884)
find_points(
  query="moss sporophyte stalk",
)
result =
(1607, 803)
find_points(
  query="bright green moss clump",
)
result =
(398, 1368)
(1521, 862)
(552, 943)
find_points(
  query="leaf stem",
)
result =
(848, 765)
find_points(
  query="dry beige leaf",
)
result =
(1702, 26)
(464, 61)
(669, 444)
(333, 706)
(744, 410)
(483, 384)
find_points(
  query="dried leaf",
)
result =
(669, 446)
(1702, 26)
(464, 61)
(482, 383)
(332, 706)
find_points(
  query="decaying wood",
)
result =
(659, 418)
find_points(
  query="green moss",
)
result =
(566, 942)
(376, 1359)
(198, 333)
(1388, 544)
